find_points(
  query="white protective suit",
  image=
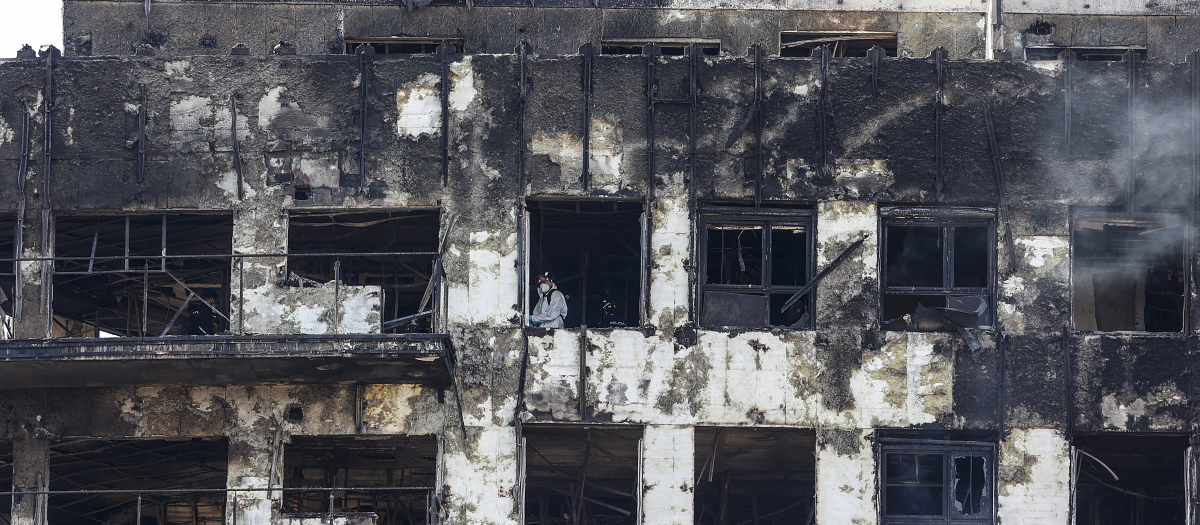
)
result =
(550, 310)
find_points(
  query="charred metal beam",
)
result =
(582, 384)
(875, 54)
(1131, 61)
(652, 52)
(588, 51)
(1069, 376)
(693, 52)
(237, 154)
(1001, 193)
(823, 114)
(825, 271)
(758, 99)
(141, 174)
(176, 316)
(939, 57)
(1068, 70)
(1001, 388)
(50, 54)
(523, 51)
(19, 233)
(364, 70)
(443, 52)
(451, 367)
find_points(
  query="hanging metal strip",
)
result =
(1131, 60)
(1001, 192)
(758, 126)
(823, 115)
(364, 71)
(939, 56)
(237, 154)
(19, 234)
(1068, 94)
(588, 51)
(652, 52)
(444, 54)
(523, 50)
(141, 173)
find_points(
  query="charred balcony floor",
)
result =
(223, 360)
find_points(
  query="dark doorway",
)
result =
(754, 475)
(342, 462)
(581, 475)
(138, 464)
(593, 252)
(1131, 480)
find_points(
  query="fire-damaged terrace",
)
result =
(825, 287)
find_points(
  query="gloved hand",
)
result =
(532, 322)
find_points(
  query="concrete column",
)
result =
(669, 280)
(31, 472)
(668, 463)
(1034, 478)
(251, 454)
(840, 224)
(481, 474)
(845, 478)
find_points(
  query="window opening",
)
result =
(578, 475)
(1083, 54)
(937, 275)
(125, 276)
(343, 462)
(754, 475)
(402, 45)
(1146, 485)
(676, 47)
(937, 482)
(395, 286)
(592, 252)
(1128, 275)
(841, 44)
(753, 263)
(138, 465)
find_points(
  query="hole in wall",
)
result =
(294, 413)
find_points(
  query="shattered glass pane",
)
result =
(914, 256)
(735, 254)
(789, 255)
(914, 485)
(970, 485)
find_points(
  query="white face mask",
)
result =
(544, 287)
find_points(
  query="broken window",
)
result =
(141, 275)
(383, 259)
(8, 276)
(581, 475)
(754, 261)
(592, 252)
(937, 272)
(402, 45)
(172, 467)
(669, 46)
(1084, 54)
(936, 482)
(841, 44)
(1128, 274)
(387, 464)
(754, 475)
(1130, 480)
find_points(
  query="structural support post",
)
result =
(31, 473)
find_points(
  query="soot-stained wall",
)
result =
(888, 137)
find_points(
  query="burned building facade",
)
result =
(935, 265)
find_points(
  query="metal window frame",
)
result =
(947, 220)
(350, 43)
(765, 217)
(948, 449)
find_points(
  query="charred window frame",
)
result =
(924, 481)
(1133, 260)
(668, 46)
(402, 45)
(841, 43)
(753, 261)
(937, 269)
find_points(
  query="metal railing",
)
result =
(156, 265)
(232, 504)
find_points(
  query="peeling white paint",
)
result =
(419, 107)
(667, 475)
(1034, 475)
(846, 485)
(462, 81)
(6, 132)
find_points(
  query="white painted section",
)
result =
(606, 153)
(1040, 258)
(312, 310)
(1034, 478)
(846, 485)
(419, 107)
(186, 116)
(462, 85)
(490, 291)
(671, 245)
(482, 491)
(667, 474)
(843, 222)
(903, 382)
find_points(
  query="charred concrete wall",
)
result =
(1130, 148)
(108, 27)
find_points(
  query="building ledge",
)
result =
(225, 360)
